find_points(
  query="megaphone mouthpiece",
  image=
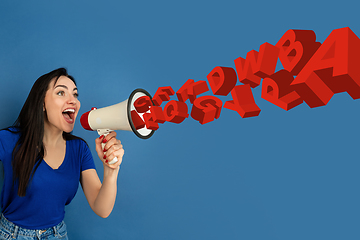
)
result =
(85, 122)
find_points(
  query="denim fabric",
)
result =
(9, 230)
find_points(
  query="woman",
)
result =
(43, 163)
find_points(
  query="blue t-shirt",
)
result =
(49, 190)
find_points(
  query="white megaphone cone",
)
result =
(116, 117)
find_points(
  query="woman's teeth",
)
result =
(69, 110)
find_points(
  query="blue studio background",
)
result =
(279, 176)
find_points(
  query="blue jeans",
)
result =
(9, 230)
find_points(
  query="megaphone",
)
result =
(116, 117)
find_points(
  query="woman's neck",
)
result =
(52, 137)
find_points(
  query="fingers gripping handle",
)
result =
(114, 159)
(105, 132)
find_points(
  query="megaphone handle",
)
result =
(105, 132)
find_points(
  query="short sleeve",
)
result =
(87, 160)
(8, 140)
(2, 149)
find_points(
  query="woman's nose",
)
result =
(72, 99)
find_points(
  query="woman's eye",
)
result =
(76, 95)
(61, 93)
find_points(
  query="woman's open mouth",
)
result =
(69, 115)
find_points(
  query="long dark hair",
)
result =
(29, 150)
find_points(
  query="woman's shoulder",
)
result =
(75, 140)
(10, 133)
(78, 147)
(8, 138)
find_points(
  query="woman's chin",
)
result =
(68, 129)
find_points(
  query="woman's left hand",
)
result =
(113, 148)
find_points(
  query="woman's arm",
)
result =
(101, 196)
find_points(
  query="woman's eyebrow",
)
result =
(75, 89)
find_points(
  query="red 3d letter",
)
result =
(277, 90)
(154, 117)
(222, 80)
(257, 65)
(243, 102)
(334, 68)
(162, 94)
(142, 104)
(191, 89)
(149, 122)
(296, 48)
(175, 111)
(156, 114)
(206, 109)
(137, 121)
